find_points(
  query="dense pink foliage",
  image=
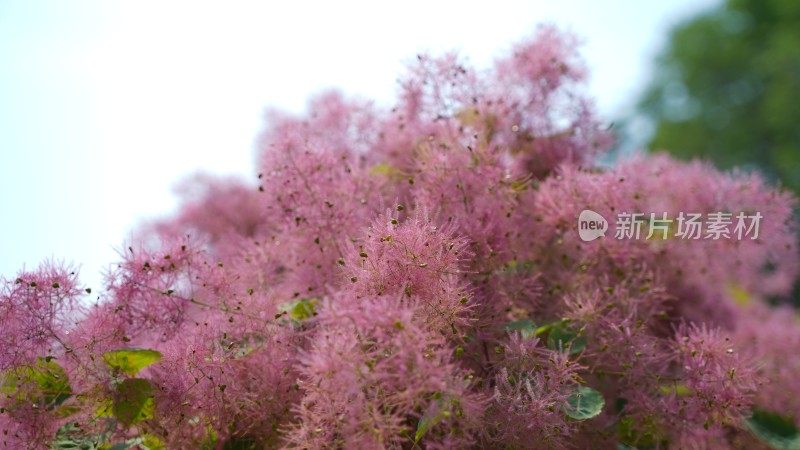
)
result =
(413, 278)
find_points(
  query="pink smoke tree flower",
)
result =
(415, 278)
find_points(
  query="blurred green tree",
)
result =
(727, 88)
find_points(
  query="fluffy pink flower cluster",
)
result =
(414, 278)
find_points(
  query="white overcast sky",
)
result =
(105, 105)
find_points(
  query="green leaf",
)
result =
(210, 439)
(584, 403)
(44, 384)
(561, 335)
(65, 411)
(127, 445)
(299, 310)
(774, 429)
(303, 309)
(739, 294)
(526, 328)
(384, 169)
(143, 442)
(427, 422)
(71, 437)
(643, 433)
(105, 409)
(134, 401)
(151, 442)
(567, 338)
(445, 407)
(545, 329)
(67, 443)
(244, 346)
(680, 390)
(131, 360)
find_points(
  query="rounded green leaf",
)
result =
(584, 403)
(302, 309)
(774, 429)
(562, 337)
(298, 310)
(131, 360)
(526, 328)
(44, 383)
(134, 401)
